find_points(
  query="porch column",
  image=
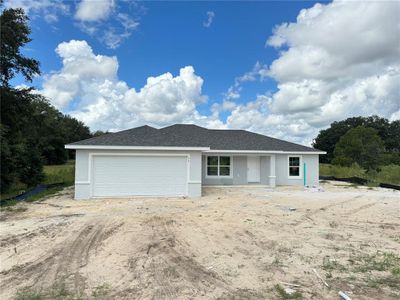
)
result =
(272, 177)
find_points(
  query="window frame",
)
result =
(218, 167)
(300, 157)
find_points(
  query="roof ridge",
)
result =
(181, 124)
(263, 135)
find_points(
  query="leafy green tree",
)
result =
(17, 150)
(32, 131)
(14, 35)
(99, 133)
(328, 138)
(392, 142)
(31, 164)
(361, 145)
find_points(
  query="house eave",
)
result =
(264, 152)
(162, 148)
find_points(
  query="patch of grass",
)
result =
(388, 174)
(27, 294)
(372, 184)
(60, 173)
(330, 264)
(339, 171)
(390, 281)
(385, 174)
(8, 204)
(380, 261)
(15, 190)
(282, 293)
(102, 291)
(379, 269)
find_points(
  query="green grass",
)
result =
(380, 261)
(281, 292)
(15, 190)
(380, 268)
(53, 174)
(386, 174)
(60, 173)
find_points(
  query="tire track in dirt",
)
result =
(62, 265)
(362, 207)
(170, 267)
(307, 217)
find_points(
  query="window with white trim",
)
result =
(219, 166)
(294, 166)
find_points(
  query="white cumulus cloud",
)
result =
(94, 10)
(332, 64)
(107, 21)
(88, 88)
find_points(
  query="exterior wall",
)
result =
(312, 170)
(264, 169)
(83, 178)
(239, 170)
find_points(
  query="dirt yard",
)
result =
(233, 243)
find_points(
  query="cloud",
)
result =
(104, 20)
(331, 66)
(87, 87)
(50, 9)
(210, 18)
(94, 10)
(257, 72)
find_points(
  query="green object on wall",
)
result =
(304, 175)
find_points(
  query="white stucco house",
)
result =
(178, 160)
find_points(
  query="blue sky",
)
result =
(279, 68)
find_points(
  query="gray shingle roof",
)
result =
(185, 135)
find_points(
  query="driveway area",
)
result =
(233, 243)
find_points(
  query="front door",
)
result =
(253, 169)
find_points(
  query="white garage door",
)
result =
(139, 175)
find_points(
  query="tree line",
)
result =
(368, 141)
(32, 131)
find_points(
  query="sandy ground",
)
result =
(233, 243)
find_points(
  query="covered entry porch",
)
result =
(238, 169)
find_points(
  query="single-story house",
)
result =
(178, 160)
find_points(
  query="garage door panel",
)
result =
(139, 175)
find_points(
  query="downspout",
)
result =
(305, 174)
